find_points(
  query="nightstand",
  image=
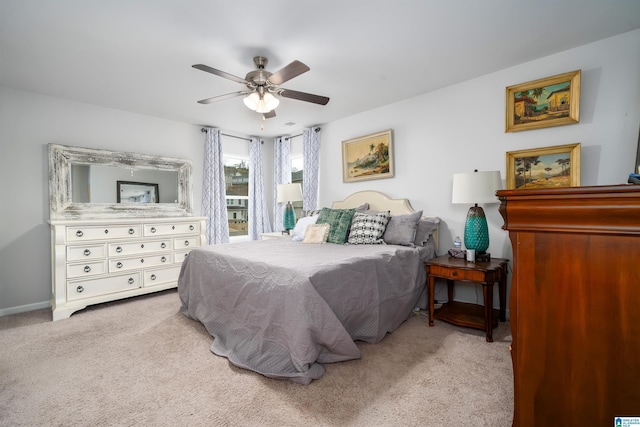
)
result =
(465, 314)
(275, 235)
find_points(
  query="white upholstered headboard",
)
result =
(380, 202)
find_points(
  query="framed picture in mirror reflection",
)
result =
(137, 192)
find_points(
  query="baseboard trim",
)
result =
(24, 308)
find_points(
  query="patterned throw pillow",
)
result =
(338, 220)
(316, 233)
(368, 229)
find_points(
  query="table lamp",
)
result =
(288, 193)
(476, 187)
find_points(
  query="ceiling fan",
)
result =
(262, 85)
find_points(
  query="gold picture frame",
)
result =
(552, 101)
(547, 167)
(368, 157)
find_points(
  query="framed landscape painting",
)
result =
(552, 101)
(547, 167)
(367, 157)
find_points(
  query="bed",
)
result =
(283, 308)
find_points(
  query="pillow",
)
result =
(368, 229)
(425, 229)
(360, 208)
(301, 226)
(401, 229)
(339, 221)
(316, 233)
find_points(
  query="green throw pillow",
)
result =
(339, 221)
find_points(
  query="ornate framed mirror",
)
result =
(83, 183)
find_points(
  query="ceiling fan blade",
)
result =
(287, 73)
(220, 73)
(270, 114)
(222, 97)
(303, 96)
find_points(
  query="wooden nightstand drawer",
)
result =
(456, 273)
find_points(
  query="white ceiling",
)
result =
(137, 55)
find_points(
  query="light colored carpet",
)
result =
(141, 362)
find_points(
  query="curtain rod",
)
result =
(230, 136)
(317, 129)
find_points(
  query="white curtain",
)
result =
(214, 202)
(281, 175)
(258, 215)
(311, 161)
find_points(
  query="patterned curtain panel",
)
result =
(258, 215)
(281, 175)
(214, 202)
(311, 161)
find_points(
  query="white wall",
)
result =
(461, 128)
(28, 122)
(456, 129)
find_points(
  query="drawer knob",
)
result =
(153, 229)
(131, 231)
(153, 277)
(173, 227)
(119, 265)
(455, 273)
(142, 260)
(186, 243)
(142, 246)
(191, 227)
(87, 269)
(79, 233)
(163, 245)
(119, 249)
(163, 259)
(106, 231)
(131, 280)
(87, 252)
(79, 289)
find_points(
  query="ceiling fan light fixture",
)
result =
(261, 104)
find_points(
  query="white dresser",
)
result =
(95, 261)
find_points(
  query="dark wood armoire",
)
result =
(574, 304)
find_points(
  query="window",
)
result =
(236, 174)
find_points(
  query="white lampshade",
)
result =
(263, 104)
(289, 193)
(252, 100)
(476, 187)
(271, 102)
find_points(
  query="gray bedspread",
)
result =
(283, 309)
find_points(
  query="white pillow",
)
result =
(301, 227)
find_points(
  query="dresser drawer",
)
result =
(120, 249)
(82, 233)
(186, 242)
(126, 264)
(456, 274)
(86, 269)
(160, 276)
(167, 229)
(78, 253)
(180, 256)
(79, 289)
